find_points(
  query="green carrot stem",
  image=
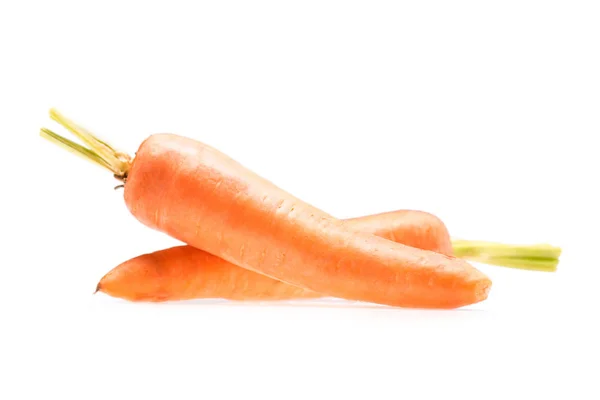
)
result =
(101, 147)
(74, 148)
(491, 249)
(544, 265)
(539, 257)
(98, 151)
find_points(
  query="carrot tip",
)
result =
(483, 290)
(98, 287)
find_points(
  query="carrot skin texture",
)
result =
(184, 272)
(200, 196)
(410, 227)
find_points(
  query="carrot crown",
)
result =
(97, 151)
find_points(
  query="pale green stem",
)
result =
(492, 249)
(544, 265)
(539, 257)
(99, 152)
(74, 148)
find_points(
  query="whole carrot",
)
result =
(200, 196)
(184, 272)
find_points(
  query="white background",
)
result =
(483, 114)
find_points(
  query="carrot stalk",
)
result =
(99, 151)
(75, 148)
(539, 264)
(184, 272)
(539, 257)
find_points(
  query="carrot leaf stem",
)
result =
(98, 151)
(543, 265)
(539, 257)
(73, 147)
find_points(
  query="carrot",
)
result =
(426, 231)
(184, 272)
(198, 195)
(410, 227)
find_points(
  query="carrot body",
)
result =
(410, 227)
(184, 272)
(200, 196)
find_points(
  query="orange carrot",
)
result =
(410, 227)
(184, 272)
(202, 197)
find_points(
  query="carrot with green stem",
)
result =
(184, 272)
(427, 232)
(421, 230)
(200, 196)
